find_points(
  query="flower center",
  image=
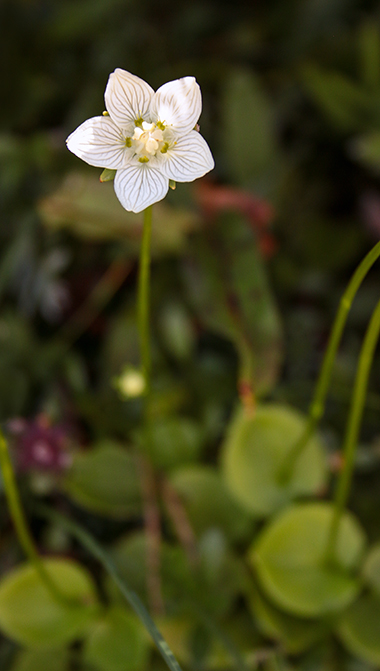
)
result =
(147, 140)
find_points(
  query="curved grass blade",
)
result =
(103, 557)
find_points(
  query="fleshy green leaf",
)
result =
(208, 503)
(255, 448)
(31, 616)
(295, 634)
(371, 569)
(289, 557)
(117, 642)
(174, 441)
(41, 660)
(130, 554)
(359, 628)
(105, 481)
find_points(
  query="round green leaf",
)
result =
(31, 616)
(295, 634)
(208, 503)
(215, 584)
(174, 441)
(130, 557)
(41, 660)
(289, 559)
(117, 642)
(359, 628)
(371, 569)
(104, 480)
(256, 446)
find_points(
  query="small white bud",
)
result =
(131, 383)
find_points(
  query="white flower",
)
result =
(147, 137)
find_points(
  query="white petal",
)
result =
(127, 98)
(177, 104)
(139, 186)
(188, 159)
(98, 142)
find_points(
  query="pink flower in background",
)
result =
(39, 445)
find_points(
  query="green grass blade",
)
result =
(103, 557)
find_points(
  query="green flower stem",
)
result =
(352, 430)
(20, 523)
(143, 298)
(317, 406)
(151, 509)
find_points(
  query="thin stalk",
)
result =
(318, 403)
(143, 298)
(352, 430)
(151, 510)
(19, 520)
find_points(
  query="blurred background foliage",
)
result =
(248, 267)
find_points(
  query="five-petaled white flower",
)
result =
(147, 137)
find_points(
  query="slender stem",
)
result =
(151, 510)
(143, 297)
(317, 406)
(352, 430)
(20, 523)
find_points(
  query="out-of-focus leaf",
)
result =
(295, 634)
(70, 20)
(289, 559)
(208, 503)
(371, 569)
(32, 616)
(255, 449)
(366, 150)
(105, 481)
(41, 660)
(247, 131)
(130, 557)
(177, 330)
(174, 441)
(91, 210)
(343, 102)
(226, 282)
(212, 586)
(117, 642)
(369, 53)
(359, 628)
